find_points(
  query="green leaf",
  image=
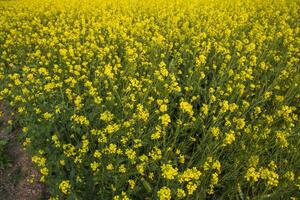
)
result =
(147, 186)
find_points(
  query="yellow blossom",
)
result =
(168, 172)
(65, 187)
(165, 119)
(186, 107)
(164, 193)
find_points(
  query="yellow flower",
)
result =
(110, 167)
(22, 109)
(257, 110)
(26, 142)
(131, 183)
(200, 60)
(62, 162)
(186, 107)
(164, 193)
(216, 166)
(214, 179)
(112, 128)
(117, 197)
(215, 131)
(44, 171)
(142, 113)
(252, 175)
(63, 52)
(40, 161)
(279, 98)
(205, 108)
(290, 175)
(281, 139)
(122, 168)
(168, 172)
(97, 154)
(47, 115)
(151, 175)
(157, 133)
(141, 168)
(224, 106)
(240, 123)
(189, 175)
(191, 187)
(155, 154)
(180, 193)
(94, 166)
(124, 196)
(108, 71)
(181, 159)
(65, 187)
(270, 176)
(131, 154)
(78, 102)
(106, 116)
(163, 108)
(229, 138)
(80, 119)
(165, 119)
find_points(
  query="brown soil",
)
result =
(19, 181)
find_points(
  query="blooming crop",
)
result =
(153, 99)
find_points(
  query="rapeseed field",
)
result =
(153, 99)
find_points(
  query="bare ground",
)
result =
(19, 181)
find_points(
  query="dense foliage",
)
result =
(152, 99)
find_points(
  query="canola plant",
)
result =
(153, 99)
